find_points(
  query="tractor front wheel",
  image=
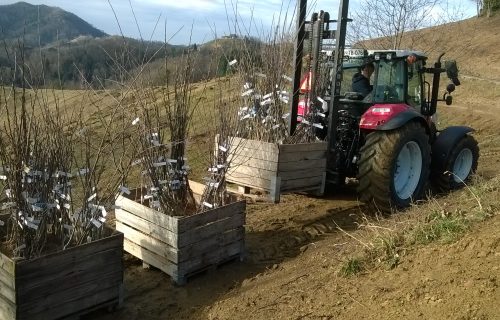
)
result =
(460, 165)
(394, 167)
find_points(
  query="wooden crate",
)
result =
(278, 168)
(182, 245)
(63, 284)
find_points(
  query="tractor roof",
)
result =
(399, 53)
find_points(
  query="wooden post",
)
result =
(275, 189)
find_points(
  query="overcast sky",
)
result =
(198, 19)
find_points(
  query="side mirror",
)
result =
(449, 100)
(450, 87)
(452, 71)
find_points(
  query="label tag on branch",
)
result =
(124, 189)
(103, 211)
(96, 223)
(318, 125)
(135, 121)
(266, 102)
(36, 208)
(247, 93)
(3, 177)
(233, 62)
(92, 197)
(159, 164)
(155, 204)
(83, 171)
(208, 205)
(30, 224)
(222, 148)
(287, 78)
(267, 96)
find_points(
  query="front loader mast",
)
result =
(316, 34)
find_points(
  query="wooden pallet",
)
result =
(63, 284)
(277, 168)
(181, 245)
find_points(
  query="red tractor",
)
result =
(388, 140)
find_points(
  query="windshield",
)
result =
(389, 86)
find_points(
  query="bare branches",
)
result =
(390, 20)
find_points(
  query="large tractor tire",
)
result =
(460, 165)
(394, 167)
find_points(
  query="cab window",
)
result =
(414, 85)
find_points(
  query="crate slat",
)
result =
(147, 213)
(159, 247)
(189, 222)
(302, 147)
(294, 166)
(155, 230)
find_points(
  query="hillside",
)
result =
(31, 22)
(71, 52)
(332, 258)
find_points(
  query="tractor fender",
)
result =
(403, 118)
(444, 144)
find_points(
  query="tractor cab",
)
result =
(398, 77)
(400, 88)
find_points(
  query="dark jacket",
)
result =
(361, 84)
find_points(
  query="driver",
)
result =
(361, 80)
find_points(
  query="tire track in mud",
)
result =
(273, 246)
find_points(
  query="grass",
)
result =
(388, 241)
(442, 227)
(352, 267)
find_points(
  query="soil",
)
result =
(295, 250)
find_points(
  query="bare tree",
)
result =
(389, 20)
(479, 6)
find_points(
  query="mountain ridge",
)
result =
(40, 25)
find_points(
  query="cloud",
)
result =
(196, 5)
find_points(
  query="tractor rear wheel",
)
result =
(394, 167)
(460, 165)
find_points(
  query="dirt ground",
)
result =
(295, 250)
